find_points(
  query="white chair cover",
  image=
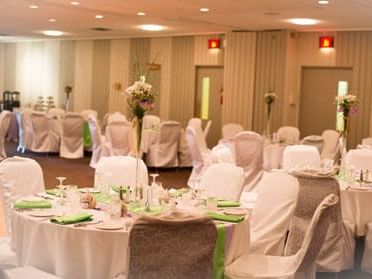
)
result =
(230, 130)
(331, 147)
(272, 214)
(289, 135)
(366, 264)
(99, 146)
(300, 265)
(224, 152)
(27, 125)
(249, 156)
(87, 112)
(72, 146)
(57, 112)
(21, 130)
(8, 258)
(301, 157)
(151, 122)
(196, 124)
(367, 141)
(5, 117)
(164, 152)
(223, 181)
(119, 170)
(116, 116)
(184, 156)
(28, 272)
(43, 139)
(207, 128)
(314, 140)
(117, 135)
(359, 159)
(19, 177)
(201, 158)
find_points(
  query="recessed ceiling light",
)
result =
(141, 13)
(75, 3)
(99, 16)
(53, 33)
(152, 27)
(52, 20)
(303, 21)
(204, 10)
(34, 6)
(323, 2)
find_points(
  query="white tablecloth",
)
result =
(87, 252)
(356, 208)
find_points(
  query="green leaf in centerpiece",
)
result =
(228, 204)
(102, 197)
(225, 218)
(53, 192)
(22, 204)
(72, 219)
(117, 188)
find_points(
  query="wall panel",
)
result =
(203, 55)
(66, 72)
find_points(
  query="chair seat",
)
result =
(29, 273)
(7, 256)
(260, 266)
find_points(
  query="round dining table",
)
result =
(69, 251)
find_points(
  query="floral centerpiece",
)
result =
(140, 98)
(346, 105)
(269, 98)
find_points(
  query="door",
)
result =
(208, 100)
(320, 86)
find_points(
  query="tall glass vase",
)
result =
(343, 140)
(138, 187)
(268, 123)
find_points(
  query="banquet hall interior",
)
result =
(185, 139)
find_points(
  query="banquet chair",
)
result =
(300, 157)
(366, 264)
(72, 146)
(27, 126)
(184, 155)
(224, 152)
(57, 112)
(99, 146)
(223, 181)
(119, 170)
(197, 125)
(172, 245)
(288, 135)
(207, 128)
(230, 130)
(163, 154)
(24, 272)
(151, 121)
(43, 138)
(314, 140)
(331, 147)
(5, 117)
(201, 158)
(117, 136)
(21, 130)
(249, 155)
(116, 116)
(271, 216)
(87, 112)
(300, 265)
(358, 159)
(367, 141)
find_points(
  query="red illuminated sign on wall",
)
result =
(326, 42)
(213, 43)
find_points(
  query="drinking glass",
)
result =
(61, 189)
(115, 209)
(73, 198)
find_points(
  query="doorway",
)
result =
(320, 86)
(208, 100)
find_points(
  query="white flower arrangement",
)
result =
(140, 98)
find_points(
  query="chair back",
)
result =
(359, 159)
(272, 213)
(314, 140)
(168, 144)
(207, 128)
(249, 155)
(95, 131)
(186, 242)
(331, 146)
(27, 125)
(72, 136)
(87, 112)
(223, 181)
(301, 157)
(5, 117)
(119, 170)
(230, 130)
(116, 116)
(196, 124)
(57, 112)
(117, 134)
(40, 137)
(196, 155)
(19, 177)
(289, 134)
(151, 121)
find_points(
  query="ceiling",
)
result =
(19, 22)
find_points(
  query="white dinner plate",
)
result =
(41, 213)
(236, 211)
(110, 227)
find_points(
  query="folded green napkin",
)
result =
(32, 204)
(71, 219)
(226, 218)
(53, 192)
(102, 197)
(228, 204)
(142, 210)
